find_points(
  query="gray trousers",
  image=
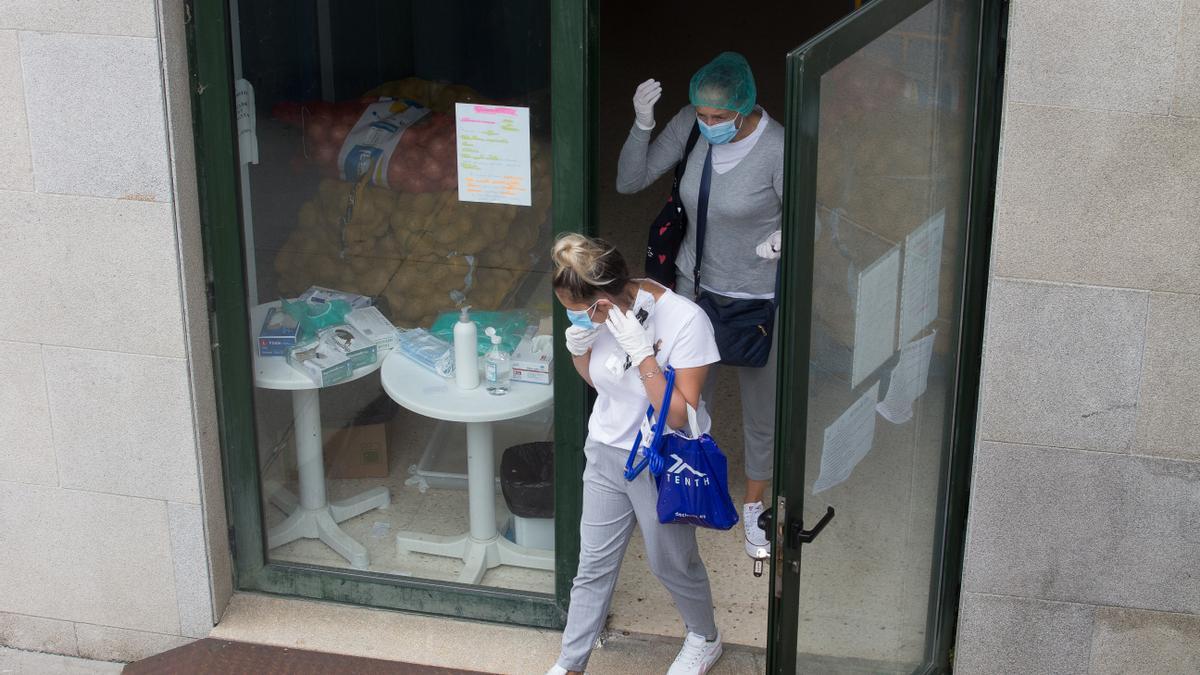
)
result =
(757, 387)
(611, 505)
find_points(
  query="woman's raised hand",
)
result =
(644, 98)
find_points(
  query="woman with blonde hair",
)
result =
(624, 332)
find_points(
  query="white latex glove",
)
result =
(644, 98)
(772, 248)
(579, 340)
(630, 335)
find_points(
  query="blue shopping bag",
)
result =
(690, 471)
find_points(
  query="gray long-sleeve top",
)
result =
(745, 204)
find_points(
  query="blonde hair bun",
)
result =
(580, 255)
(584, 265)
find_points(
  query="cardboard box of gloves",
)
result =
(326, 334)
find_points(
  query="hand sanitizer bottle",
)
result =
(466, 352)
(497, 367)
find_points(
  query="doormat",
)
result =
(243, 658)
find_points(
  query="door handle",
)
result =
(797, 535)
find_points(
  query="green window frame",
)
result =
(573, 63)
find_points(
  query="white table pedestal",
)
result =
(482, 548)
(312, 516)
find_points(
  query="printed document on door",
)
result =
(847, 441)
(908, 382)
(875, 316)
(922, 267)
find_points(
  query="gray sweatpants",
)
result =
(757, 387)
(611, 505)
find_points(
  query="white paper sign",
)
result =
(847, 441)
(922, 267)
(243, 94)
(908, 382)
(875, 316)
(493, 154)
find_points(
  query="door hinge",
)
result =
(232, 544)
(210, 295)
(777, 521)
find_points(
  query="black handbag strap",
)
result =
(681, 166)
(702, 221)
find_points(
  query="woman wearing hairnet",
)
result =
(742, 234)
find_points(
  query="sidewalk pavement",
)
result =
(450, 643)
(17, 662)
(413, 638)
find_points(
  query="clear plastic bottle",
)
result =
(497, 366)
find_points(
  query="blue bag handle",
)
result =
(653, 458)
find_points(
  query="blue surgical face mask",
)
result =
(720, 133)
(582, 318)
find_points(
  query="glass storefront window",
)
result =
(396, 168)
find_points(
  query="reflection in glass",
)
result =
(895, 129)
(368, 458)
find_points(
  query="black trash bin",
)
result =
(527, 479)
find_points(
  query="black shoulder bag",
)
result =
(667, 230)
(743, 327)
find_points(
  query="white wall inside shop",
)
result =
(1081, 554)
(111, 505)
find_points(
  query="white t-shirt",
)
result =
(683, 338)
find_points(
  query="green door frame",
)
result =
(806, 64)
(573, 67)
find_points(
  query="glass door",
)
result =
(884, 236)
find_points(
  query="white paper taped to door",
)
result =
(847, 441)
(909, 380)
(922, 269)
(370, 144)
(243, 93)
(875, 316)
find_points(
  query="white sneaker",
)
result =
(697, 655)
(757, 545)
(558, 670)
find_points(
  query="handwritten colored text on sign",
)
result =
(493, 154)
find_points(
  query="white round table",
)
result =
(311, 516)
(423, 392)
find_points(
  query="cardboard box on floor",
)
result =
(357, 451)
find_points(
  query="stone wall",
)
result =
(1082, 552)
(106, 394)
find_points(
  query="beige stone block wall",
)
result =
(111, 504)
(1080, 555)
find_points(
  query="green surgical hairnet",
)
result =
(725, 82)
